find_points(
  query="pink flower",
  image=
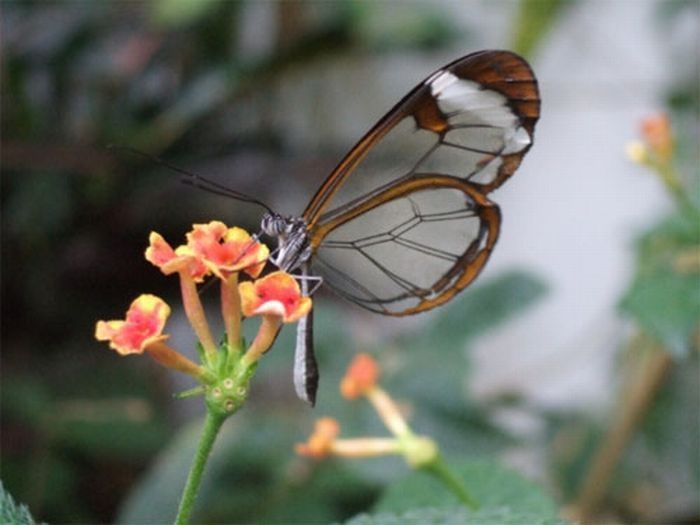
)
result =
(226, 250)
(277, 294)
(142, 327)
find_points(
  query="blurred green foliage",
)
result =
(664, 297)
(533, 22)
(658, 477)
(171, 14)
(503, 495)
(455, 516)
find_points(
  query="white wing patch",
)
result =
(466, 103)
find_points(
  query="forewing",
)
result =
(473, 119)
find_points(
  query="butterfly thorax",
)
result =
(293, 247)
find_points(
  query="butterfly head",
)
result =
(293, 248)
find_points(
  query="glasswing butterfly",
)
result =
(404, 223)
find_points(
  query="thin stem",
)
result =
(639, 393)
(388, 411)
(365, 447)
(439, 469)
(267, 333)
(231, 311)
(195, 314)
(212, 424)
(166, 356)
(673, 183)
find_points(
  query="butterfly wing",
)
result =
(404, 223)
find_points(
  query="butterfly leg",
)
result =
(317, 281)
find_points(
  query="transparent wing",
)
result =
(473, 119)
(403, 223)
(411, 247)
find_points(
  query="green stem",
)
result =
(439, 469)
(212, 424)
(676, 189)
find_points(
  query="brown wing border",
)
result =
(465, 269)
(501, 71)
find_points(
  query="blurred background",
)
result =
(574, 358)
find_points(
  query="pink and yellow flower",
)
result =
(142, 331)
(656, 130)
(320, 442)
(278, 295)
(142, 327)
(360, 378)
(278, 299)
(161, 254)
(225, 250)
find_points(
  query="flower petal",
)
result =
(161, 254)
(321, 440)
(143, 325)
(226, 250)
(656, 130)
(276, 294)
(361, 376)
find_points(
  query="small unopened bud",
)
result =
(360, 378)
(637, 152)
(321, 440)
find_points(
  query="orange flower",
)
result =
(142, 327)
(226, 250)
(161, 254)
(277, 294)
(321, 440)
(360, 377)
(656, 131)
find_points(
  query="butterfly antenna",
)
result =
(193, 179)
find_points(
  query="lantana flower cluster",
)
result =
(217, 251)
(420, 452)
(657, 144)
(656, 151)
(361, 380)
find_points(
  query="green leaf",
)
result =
(405, 26)
(534, 20)
(505, 498)
(177, 13)
(665, 301)
(667, 305)
(11, 512)
(493, 486)
(455, 516)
